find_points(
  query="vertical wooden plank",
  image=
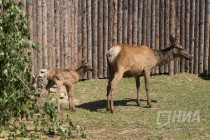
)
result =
(115, 7)
(182, 33)
(29, 13)
(53, 56)
(49, 33)
(89, 29)
(152, 31)
(139, 31)
(161, 23)
(39, 38)
(197, 23)
(105, 35)
(125, 22)
(192, 34)
(166, 32)
(144, 23)
(75, 4)
(206, 37)
(44, 33)
(66, 47)
(110, 25)
(172, 31)
(57, 33)
(201, 36)
(34, 33)
(62, 47)
(119, 21)
(135, 15)
(148, 36)
(84, 33)
(157, 37)
(71, 34)
(187, 31)
(95, 35)
(177, 60)
(130, 10)
(79, 34)
(100, 39)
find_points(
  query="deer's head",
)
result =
(86, 66)
(178, 49)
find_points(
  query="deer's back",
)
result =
(67, 76)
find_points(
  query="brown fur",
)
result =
(135, 60)
(67, 78)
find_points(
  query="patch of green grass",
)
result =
(183, 92)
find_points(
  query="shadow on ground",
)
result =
(101, 104)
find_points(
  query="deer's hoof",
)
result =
(138, 103)
(72, 110)
(107, 109)
(150, 106)
(112, 111)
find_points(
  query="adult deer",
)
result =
(135, 60)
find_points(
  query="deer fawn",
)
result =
(65, 77)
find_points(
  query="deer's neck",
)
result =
(80, 71)
(164, 56)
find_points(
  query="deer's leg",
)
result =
(59, 84)
(137, 78)
(111, 76)
(117, 77)
(69, 88)
(146, 79)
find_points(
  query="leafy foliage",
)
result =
(18, 100)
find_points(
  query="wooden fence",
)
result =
(68, 31)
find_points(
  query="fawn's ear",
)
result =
(172, 39)
(83, 61)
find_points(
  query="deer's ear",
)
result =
(172, 39)
(83, 61)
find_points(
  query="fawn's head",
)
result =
(86, 66)
(178, 49)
